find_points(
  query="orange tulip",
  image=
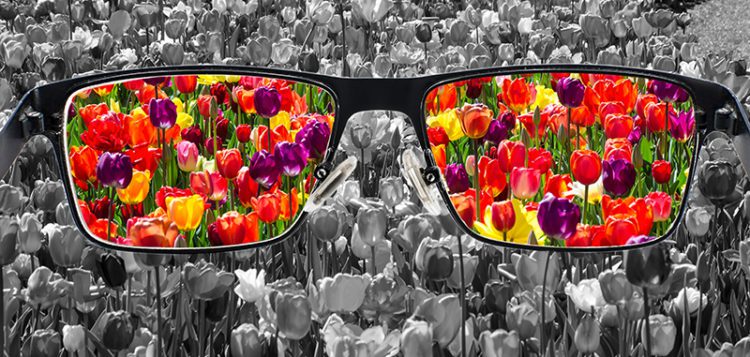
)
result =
(528, 123)
(586, 166)
(99, 228)
(491, 178)
(637, 208)
(137, 190)
(139, 129)
(152, 232)
(475, 120)
(246, 99)
(525, 182)
(620, 228)
(503, 216)
(259, 136)
(146, 93)
(438, 152)
(517, 94)
(582, 116)
(204, 103)
(623, 91)
(186, 212)
(186, 84)
(591, 100)
(558, 185)
(465, 207)
(620, 148)
(104, 89)
(442, 98)
(83, 160)
(511, 154)
(235, 228)
(284, 204)
(268, 207)
(618, 125)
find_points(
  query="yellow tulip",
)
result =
(137, 189)
(448, 120)
(179, 104)
(184, 120)
(186, 212)
(114, 105)
(526, 222)
(282, 118)
(544, 97)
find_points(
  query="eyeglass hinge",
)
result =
(430, 175)
(32, 123)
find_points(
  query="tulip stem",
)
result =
(585, 203)
(201, 327)
(461, 294)
(567, 139)
(2, 316)
(476, 180)
(647, 312)
(109, 212)
(158, 311)
(363, 175)
(372, 261)
(70, 20)
(542, 331)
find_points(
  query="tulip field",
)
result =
(205, 161)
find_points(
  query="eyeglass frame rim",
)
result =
(52, 109)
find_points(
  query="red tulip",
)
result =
(442, 98)
(464, 204)
(210, 185)
(243, 132)
(437, 135)
(620, 148)
(438, 152)
(268, 207)
(582, 116)
(205, 102)
(246, 187)
(642, 102)
(503, 216)
(186, 84)
(608, 108)
(229, 163)
(586, 166)
(655, 115)
(83, 161)
(620, 228)
(558, 185)
(540, 159)
(134, 84)
(661, 170)
(511, 154)
(525, 182)
(517, 94)
(588, 236)
(92, 111)
(246, 99)
(661, 205)
(618, 125)
(491, 178)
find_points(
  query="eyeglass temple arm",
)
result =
(16, 131)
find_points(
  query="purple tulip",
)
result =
(635, 135)
(192, 134)
(497, 132)
(570, 92)
(682, 125)
(667, 91)
(638, 240)
(155, 81)
(114, 170)
(267, 101)
(292, 157)
(314, 137)
(558, 217)
(508, 118)
(162, 112)
(457, 178)
(264, 168)
(618, 176)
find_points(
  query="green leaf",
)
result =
(647, 150)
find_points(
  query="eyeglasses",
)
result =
(212, 158)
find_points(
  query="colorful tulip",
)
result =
(211, 185)
(267, 101)
(83, 160)
(114, 170)
(187, 156)
(570, 91)
(246, 187)
(682, 125)
(661, 205)
(475, 120)
(503, 216)
(517, 94)
(185, 212)
(618, 176)
(229, 163)
(525, 182)
(588, 236)
(558, 185)
(162, 112)
(137, 190)
(152, 232)
(511, 154)
(586, 166)
(667, 91)
(442, 99)
(264, 168)
(558, 217)
(234, 228)
(618, 125)
(661, 170)
(292, 158)
(456, 178)
(186, 84)
(489, 180)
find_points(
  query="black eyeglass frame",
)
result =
(41, 112)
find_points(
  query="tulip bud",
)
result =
(246, 341)
(423, 32)
(391, 191)
(308, 62)
(587, 334)
(326, 223)
(372, 225)
(112, 270)
(717, 180)
(663, 332)
(8, 240)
